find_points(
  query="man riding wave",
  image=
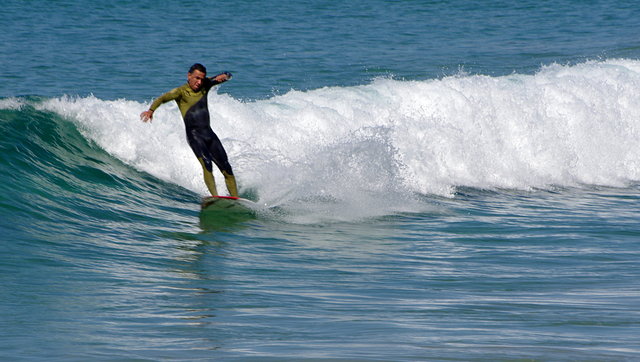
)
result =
(192, 102)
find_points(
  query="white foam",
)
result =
(11, 103)
(350, 152)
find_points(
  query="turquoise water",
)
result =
(435, 180)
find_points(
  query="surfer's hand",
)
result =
(146, 116)
(222, 77)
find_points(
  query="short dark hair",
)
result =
(199, 67)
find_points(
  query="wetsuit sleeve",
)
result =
(169, 96)
(213, 82)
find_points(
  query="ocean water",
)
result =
(434, 180)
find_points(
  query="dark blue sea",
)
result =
(434, 181)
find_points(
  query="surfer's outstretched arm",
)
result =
(221, 78)
(169, 96)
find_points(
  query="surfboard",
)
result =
(227, 204)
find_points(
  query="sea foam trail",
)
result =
(366, 146)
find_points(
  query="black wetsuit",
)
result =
(195, 113)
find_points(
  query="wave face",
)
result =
(369, 150)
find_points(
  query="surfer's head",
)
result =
(196, 75)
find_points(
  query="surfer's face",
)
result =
(195, 79)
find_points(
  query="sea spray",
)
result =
(369, 149)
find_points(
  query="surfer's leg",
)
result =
(230, 181)
(208, 178)
(201, 151)
(219, 157)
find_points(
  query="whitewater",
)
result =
(374, 149)
(435, 181)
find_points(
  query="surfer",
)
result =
(192, 102)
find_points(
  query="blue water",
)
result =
(434, 180)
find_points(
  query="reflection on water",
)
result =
(222, 220)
